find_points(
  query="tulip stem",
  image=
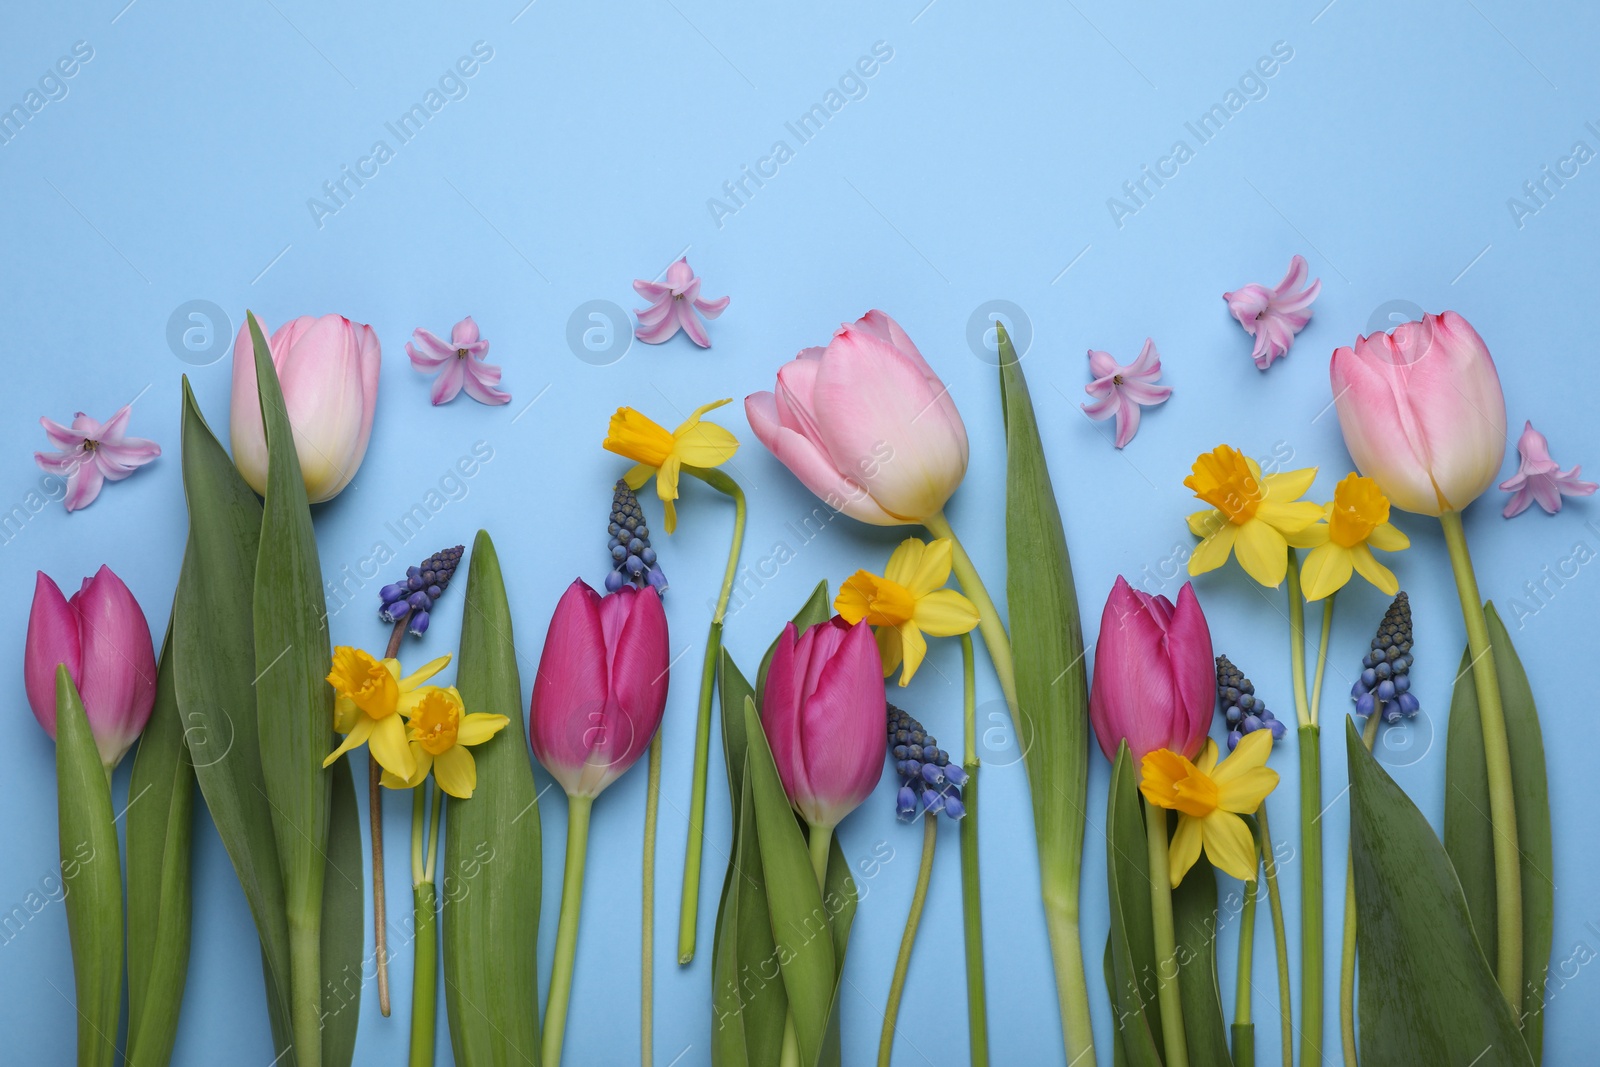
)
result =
(647, 906)
(1174, 1040)
(1347, 959)
(1497, 757)
(689, 903)
(555, 1011)
(989, 622)
(380, 910)
(1311, 926)
(971, 893)
(1280, 936)
(902, 963)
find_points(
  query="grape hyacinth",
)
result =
(632, 558)
(412, 599)
(1385, 682)
(926, 773)
(1241, 708)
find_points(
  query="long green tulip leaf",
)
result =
(213, 652)
(1132, 936)
(1427, 994)
(160, 830)
(1469, 834)
(839, 901)
(91, 876)
(492, 874)
(1194, 918)
(344, 927)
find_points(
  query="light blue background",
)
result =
(976, 167)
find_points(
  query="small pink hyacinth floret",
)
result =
(92, 453)
(1121, 390)
(1541, 478)
(673, 304)
(460, 363)
(1274, 316)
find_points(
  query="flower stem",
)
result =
(689, 904)
(1497, 757)
(989, 623)
(1347, 960)
(419, 802)
(971, 892)
(1310, 829)
(1244, 1029)
(818, 841)
(425, 973)
(305, 984)
(1176, 1044)
(902, 963)
(380, 910)
(555, 1012)
(1322, 655)
(1297, 642)
(1280, 936)
(647, 906)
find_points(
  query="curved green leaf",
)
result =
(344, 925)
(1427, 994)
(1132, 936)
(1194, 920)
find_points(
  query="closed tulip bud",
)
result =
(823, 713)
(601, 687)
(1422, 412)
(102, 638)
(328, 368)
(866, 425)
(1154, 685)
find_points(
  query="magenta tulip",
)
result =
(1154, 678)
(601, 687)
(1422, 412)
(866, 425)
(824, 715)
(103, 639)
(328, 368)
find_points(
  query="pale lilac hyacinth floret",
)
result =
(1120, 391)
(460, 363)
(93, 453)
(1274, 316)
(673, 304)
(1541, 478)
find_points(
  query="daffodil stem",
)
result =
(1297, 642)
(1310, 828)
(419, 805)
(1347, 959)
(1167, 995)
(1280, 936)
(1244, 1043)
(435, 815)
(989, 622)
(425, 973)
(380, 910)
(1322, 655)
(1497, 758)
(902, 963)
(555, 1010)
(971, 892)
(689, 903)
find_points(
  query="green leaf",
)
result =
(749, 1004)
(1119, 1054)
(1427, 994)
(343, 923)
(91, 876)
(160, 828)
(1469, 834)
(1133, 939)
(492, 875)
(732, 691)
(213, 652)
(801, 929)
(1194, 919)
(839, 901)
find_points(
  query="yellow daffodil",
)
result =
(662, 454)
(1357, 522)
(1209, 798)
(1251, 514)
(372, 698)
(908, 602)
(439, 732)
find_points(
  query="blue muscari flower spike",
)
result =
(1243, 711)
(927, 777)
(632, 559)
(1385, 682)
(412, 600)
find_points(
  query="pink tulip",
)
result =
(601, 687)
(1154, 678)
(1422, 412)
(328, 368)
(102, 637)
(866, 425)
(824, 716)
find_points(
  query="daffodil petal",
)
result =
(1229, 845)
(1245, 792)
(424, 672)
(638, 474)
(1373, 571)
(424, 763)
(695, 415)
(1288, 485)
(354, 739)
(1185, 847)
(1206, 762)
(1388, 537)
(1292, 517)
(387, 744)
(478, 727)
(1214, 551)
(889, 648)
(705, 444)
(934, 569)
(913, 647)
(1326, 570)
(905, 561)
(945, 613)
(455, 771)
(1310, 537)
(345, 714)
(1205, 523)
(1262, 552)
(1251, 752)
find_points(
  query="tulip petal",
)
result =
(52, 639)
(1229, 845)
(807, 462)
(1262, 552)
(570, 688)
(118, 663)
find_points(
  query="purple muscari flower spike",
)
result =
(632, 559)
(926, 773)
(1243, 711)
(1385, 681)
(410, 601)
